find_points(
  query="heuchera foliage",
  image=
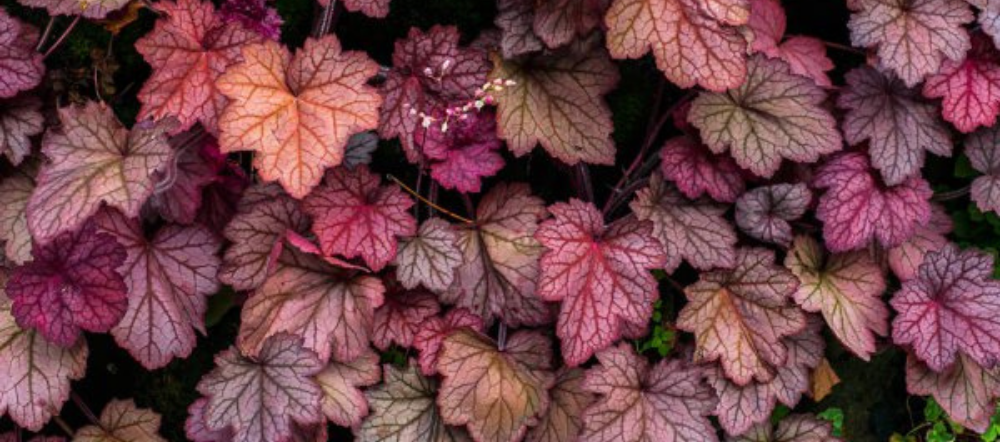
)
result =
(473, 241)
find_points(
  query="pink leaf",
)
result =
(742, 407)
(430, 72)
(35, 375)
(913, 37)
(195, 429)
(516, 19)
(21, 67)
(897, 122)
(465, 152)
(169, 277)
(72, 285)
(563, 421)
(432, 333)
(499, 270)
(805, 55)
(429, 258)
(666, 402)
(332, 309)
(794, 428)
(260, 398)
(697, 171)
(905, 259)
(496, 394)
(90, 9)
(343, 402)
(15, 191)
(600, 273)
(404, 409)
(95, 160)
(857, 209)
(558, 22)
(740, 316)
(967, 391)
(691, 230)
(256, 233)
(981, 148)
(371, 8)
(353, 215)
(970, 88)
(846, 288)
(774, 115)
(952, 306)
(121, 420)
(189, 49)
(764, 212)
(20, 119)
(401, 316)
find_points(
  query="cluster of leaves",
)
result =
(799, 206)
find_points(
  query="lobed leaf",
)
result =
(21, 68)
(15, 191)
(696, 171)
(981, 148)
(343, 402)
(404, 409)
(430, 257)
(122, 421)
(970, 88)
(794, 428)
(20, 119)
(401, 316)
(965, 390)
(764, 212)
(905, 260)
(564, 418)
(433, 332)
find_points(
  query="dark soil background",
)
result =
(872, 395)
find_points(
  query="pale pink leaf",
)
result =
(93, 9)
(429, 258)
(764, 213)
(122, 421)
(343, 402)
(965, 390)
(404, 409)
(20, 119)
(794, 428)
(563, 421)
(982, 149)
(401, 316)
(905, 259)
(15, 191)
(21, 68)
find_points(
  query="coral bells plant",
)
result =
(521, 220)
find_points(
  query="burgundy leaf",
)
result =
(496, 394)
(740, 316)
(401, 316)
(691, 230)
(254, 15)
(259, 398)
(951, 307)
(353, 215)
(499, 270)
(898, 123)
(600, 273)
(433, 331)
(21, 67)
(430, 72)
(94, 160)
(666, 402)
(697, 171)
(464, 151)
(190, 173)
(169, 277)
(72, 285)
(343, 402)
(764, 212)
(857, 209)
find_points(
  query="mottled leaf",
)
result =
(404, 410)
(430, 72)
(691, 230)
(600, 273)
(563, 420)
(20, 119)
(497, 394)
(982, 149)
(774, 114)
(913, 37)
(343, 402)
(897, 122)
(189, 49)
(952, 306)
(557, 102)
(71, 286)
(122, 421)
(332, 309)
(401, 316)
(35, 375)
(353, 215)
(169, 277)
(433, 332)
(637, 402)
(21, 68)
(740, 316)
(846, 288)
(693, 41)
(965, 390)
(857, 209)
(259, 398)
(697, 171)
(297, 112)
(764, 212)
(499, 270)
(429, 258)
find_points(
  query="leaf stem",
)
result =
(502, 337)
(85, 409)
(585, 189)
(951, 194)
(325, 20)
(46, 33)
(844, 48)
(420, 181)
(62, 37)
(429, 202)
(63, 425)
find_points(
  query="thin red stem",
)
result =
(62, 37)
